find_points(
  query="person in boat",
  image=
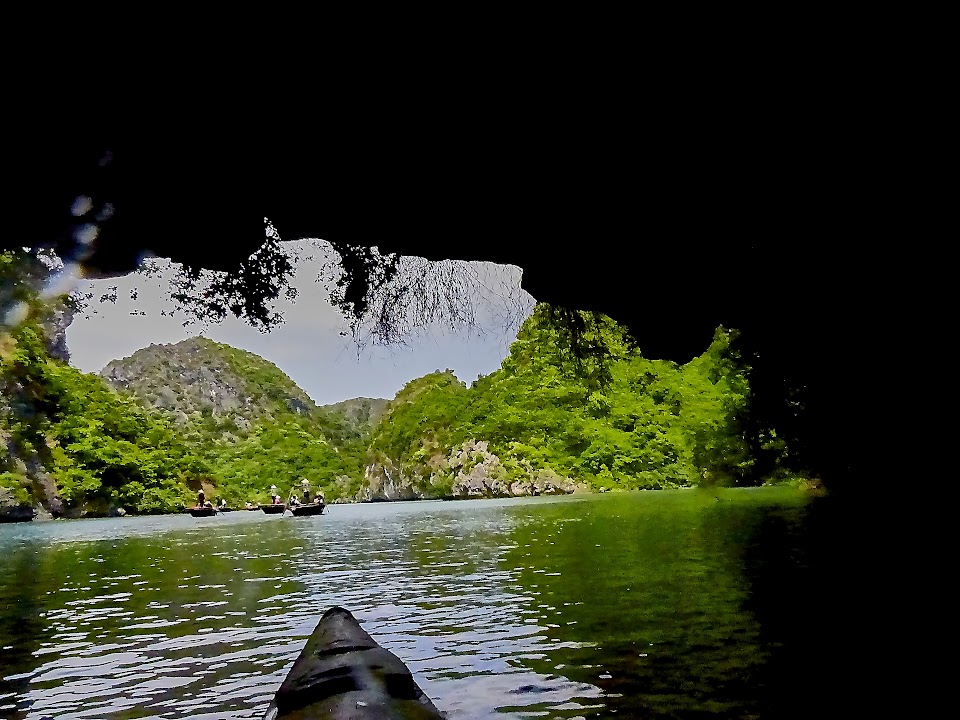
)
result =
(294, 501)
(208, 504)
(319, 498)
(201, 499)
(250, 505)
(274, 495)
(223, 503)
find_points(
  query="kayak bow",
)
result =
(343, 674)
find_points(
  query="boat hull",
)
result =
(203, 512)
(311, 509)
(273, 509)
(342, 673)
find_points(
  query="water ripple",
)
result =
(180, 617)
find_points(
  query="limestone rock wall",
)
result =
(384, 482)
(468, 471)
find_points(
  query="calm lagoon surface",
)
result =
(674, 604)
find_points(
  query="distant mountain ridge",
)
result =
(154, 428)
(363, 413)
(252, 425)
(201, 376)
(200, 381)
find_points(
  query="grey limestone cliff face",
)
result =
(384, 482)
(475, 473)
(43, 486)
(55, 331)
(194, 377)
(361, 412)
(480, 473)
(181, 378)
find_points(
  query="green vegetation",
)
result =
(102, 450)
(282, 454)
(74, 441)
(619, 421)
(251, 423)
(200, 414)
(69, 441)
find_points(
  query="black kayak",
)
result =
(343, 674)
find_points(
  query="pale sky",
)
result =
(308, 346)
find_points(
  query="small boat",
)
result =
(203, 511)
(342, 673)
(308, 509)
(272, 509)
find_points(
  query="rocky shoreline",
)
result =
(16, 513)
(469, 471)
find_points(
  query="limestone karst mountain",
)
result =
(225, 390)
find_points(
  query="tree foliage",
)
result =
(611, 419)
(574, 398)
(102, 450)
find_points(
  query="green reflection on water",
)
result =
(672, 603)
(647, 595)
(63, 598)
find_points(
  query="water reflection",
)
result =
(645, 601)
(569, 607)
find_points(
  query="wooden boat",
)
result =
(342, 673)
(203, 511)
(308, 509)
(272, 509)
(17, 514)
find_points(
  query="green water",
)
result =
(674, 604)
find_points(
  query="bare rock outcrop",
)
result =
(197, 378)
(467, 471)
(385, 482)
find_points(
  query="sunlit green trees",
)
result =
(102, 450)
(616, 420)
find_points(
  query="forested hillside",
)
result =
(251, 423)
(360, 414)
(71, 446)
(171, 419)
(620, 421)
